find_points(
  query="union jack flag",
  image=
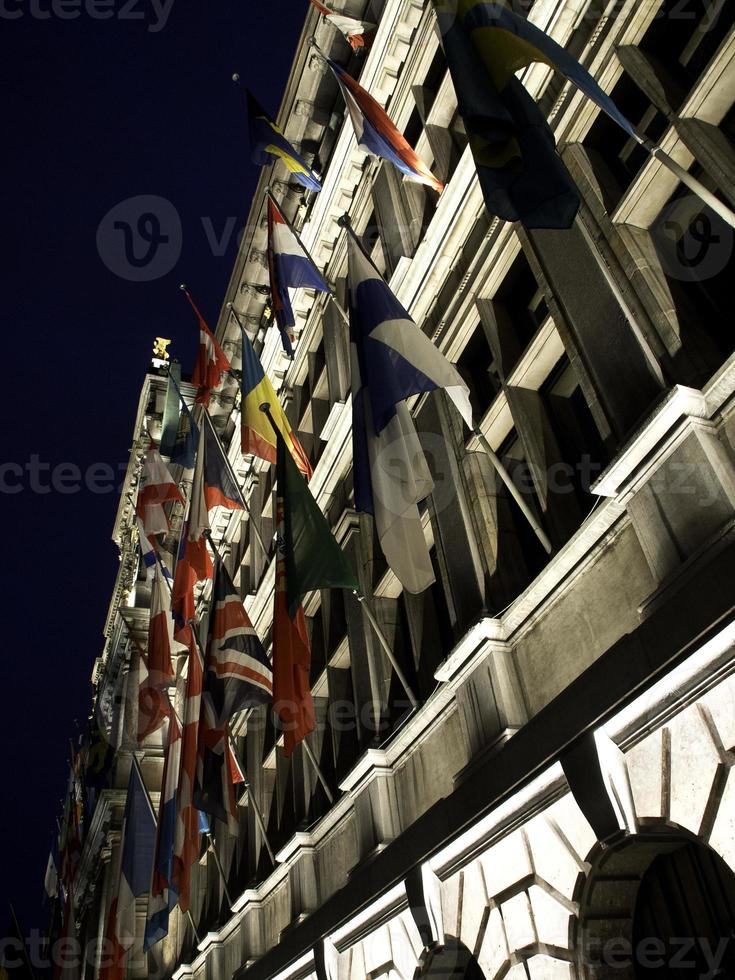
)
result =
(237, 675)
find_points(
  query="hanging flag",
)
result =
(183, 451)
(215, 793)
(507, 42)
(138, 846)
(194, 563)
(267, 143)
(308, 558)
(99, 757)
(212, 362)
(112, 961)
(70, 843)
(153, 701)
(51, 878)
(521, 175)
(237, 675)
(183, 606)
(163, 895)
(376, 133)
(171, 410)
(358, 33)
(156, 488)
(147, 551)
(151, 556)
(391, 360)
(237, 672)
(220, 489)
(67, 967)
(187, 831)
(196, 552)
(289, 265)
(258, 437)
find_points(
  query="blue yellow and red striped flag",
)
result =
(258, 437)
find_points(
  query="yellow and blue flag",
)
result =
(507, 42)
(267, 143)
(521, 175)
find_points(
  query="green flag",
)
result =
(313, 558)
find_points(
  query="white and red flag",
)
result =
(358, 33)
(156, 488)
(212, 362)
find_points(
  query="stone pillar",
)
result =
(596, 330)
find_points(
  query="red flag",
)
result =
(212, 362)
(112, 961)
(186, 834)
(291, 653)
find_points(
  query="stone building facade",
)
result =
(562, 803)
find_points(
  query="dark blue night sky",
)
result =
(95, 112)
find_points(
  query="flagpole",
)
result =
(193, 926)
(265, 408)
(382, 639)
(514, 491)
(256, 808)
(150, 804)
(331, 294)
(502, 472)
(240, 494)
(210, 838)
(309, 752)
(22, 941)
(694, 185)
(307, 749)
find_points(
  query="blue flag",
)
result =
(139, 843)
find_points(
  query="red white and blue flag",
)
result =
(220, 489)
(289, 265)
(376, 133)
(163, 896)
(212, 362)
(156, 488)
(237, 675)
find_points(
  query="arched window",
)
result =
(658, 904)
(684, 917)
